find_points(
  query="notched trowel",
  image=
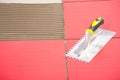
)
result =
(94, 40)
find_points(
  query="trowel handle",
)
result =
(96, 23)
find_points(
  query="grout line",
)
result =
(65, 50)
(116, 38)
(85, 1)
(66, 62)
(79, 38)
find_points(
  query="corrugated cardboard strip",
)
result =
(31, 21)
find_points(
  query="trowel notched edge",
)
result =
(86, 54)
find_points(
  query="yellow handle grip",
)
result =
(95, 25)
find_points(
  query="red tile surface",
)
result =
(79, 15)
(105, 66)
(73, 1)
(32, 60)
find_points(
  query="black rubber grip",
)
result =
(96, 23)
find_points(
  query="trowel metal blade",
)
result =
(86, 54)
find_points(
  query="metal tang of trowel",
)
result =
(94, 40)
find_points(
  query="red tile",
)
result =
(32, 60)
(73, 1)
(105, 66)
(78, 16)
